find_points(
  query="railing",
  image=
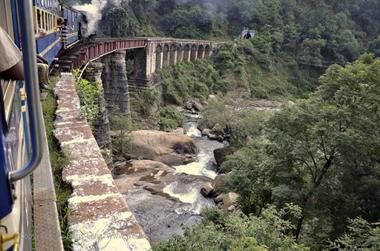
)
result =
(94, 50)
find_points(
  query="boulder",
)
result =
(193, 106)
(185, 148)
(179, 131)
(231, 208)
(133, 171)
(197, 106)
(221, 154)
(219, 198)
(207, 190)
(218, 130)
(210, 136)
(230, 199)
(175, 159)
(219, 181)
(151, 144)
(188, 105)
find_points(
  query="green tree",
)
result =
(321, 155)
(237, 232)
(119, 22)
(361, 235)
(123, 126)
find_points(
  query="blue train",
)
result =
(47, 14)
(36, 27)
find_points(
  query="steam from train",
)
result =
(94, 12)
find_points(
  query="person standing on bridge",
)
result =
(65, 33)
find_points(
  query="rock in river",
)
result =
(221, 154)
(153, 145)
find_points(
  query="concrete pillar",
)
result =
(115, 82)
(101, 124)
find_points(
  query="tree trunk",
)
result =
(318, 181)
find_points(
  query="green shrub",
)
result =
(221, 232)
(88, 93)
(123, 126)
(170, 118)
(145, 101)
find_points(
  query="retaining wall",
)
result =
(99, 216)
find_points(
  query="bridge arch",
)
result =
(166, 56)
(173, 54)
(201, 52)
(179, 53)
(194, 52)
(208, 51)
(159, 57)
(186, 53)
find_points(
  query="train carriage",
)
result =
(49, 36)
(46, 15)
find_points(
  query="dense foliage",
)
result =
(315, 33)
(238, 232)
(170, 118)
(321, 155)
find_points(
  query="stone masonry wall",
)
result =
(99, 216)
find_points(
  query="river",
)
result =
(163, 215)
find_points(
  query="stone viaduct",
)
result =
(103, 62)
(150, 54)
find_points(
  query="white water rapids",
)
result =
(202, 167)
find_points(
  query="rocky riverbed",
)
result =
(162, 182)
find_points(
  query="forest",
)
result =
(308, 176)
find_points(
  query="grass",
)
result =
(58, 161)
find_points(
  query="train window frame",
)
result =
(8, 90)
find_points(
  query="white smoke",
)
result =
(94, 12)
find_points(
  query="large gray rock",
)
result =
(230, 199)
(219, 181)
(193, 106)
(153, 145)
(207, 190)
(221, 154)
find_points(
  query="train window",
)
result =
(7, 94)
(49, 22)
(46, 21)
(39, 20)
(6, 16)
